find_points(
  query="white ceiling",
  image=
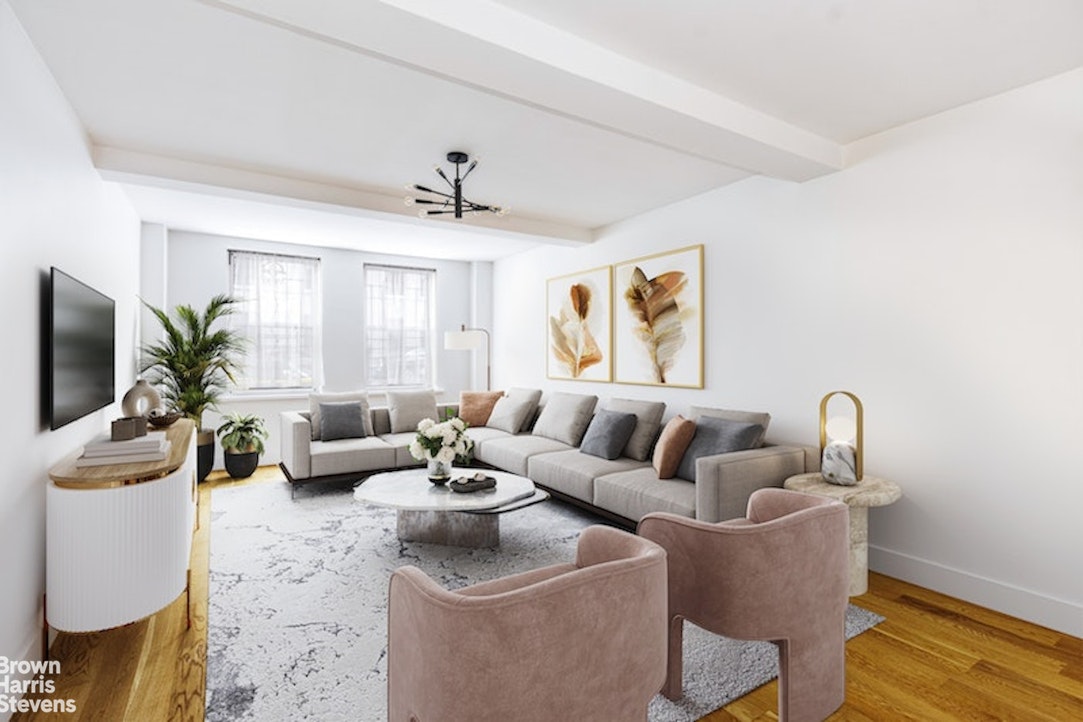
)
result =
(303, 121)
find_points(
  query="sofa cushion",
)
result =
(481, 434)
(608, 433)
(342, 420)
(671, 446)
(634, 494)
(512, 452)
(514, 410)
(351, 455)
(648, 421)
(401, 444)
(314, 401)
(407, 408)
(749, 417)
(565, 417)
(573, 473)
(716, 435)
(476, 406)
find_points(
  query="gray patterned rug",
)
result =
(298, 605)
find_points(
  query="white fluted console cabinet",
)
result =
(119, 537)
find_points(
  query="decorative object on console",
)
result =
(440, 444)
(842, 443)
(128, 427)
(469, 339)
(580, 325)
(659, 319)
(242, 438)
(159, 418)
(453, 202)
(194, 365)
(140, 399)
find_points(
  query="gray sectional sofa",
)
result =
(543, 441)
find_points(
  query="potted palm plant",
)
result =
(193, 364)
(242, 437)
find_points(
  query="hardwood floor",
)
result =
(935, 658)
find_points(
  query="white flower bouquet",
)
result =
(443, 442)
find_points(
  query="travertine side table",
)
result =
(870, 491)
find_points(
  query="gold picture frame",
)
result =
(579, 323)
(658, 314)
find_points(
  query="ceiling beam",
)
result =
(485, 45)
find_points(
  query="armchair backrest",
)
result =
(740, 577)
(572, 641)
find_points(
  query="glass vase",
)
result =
(439, 471)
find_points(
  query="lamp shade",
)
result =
(466, 340)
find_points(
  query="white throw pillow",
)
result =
(407, 408)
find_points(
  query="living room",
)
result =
(941, 258)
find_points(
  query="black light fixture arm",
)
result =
(454, 202)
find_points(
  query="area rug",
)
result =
(297, 626)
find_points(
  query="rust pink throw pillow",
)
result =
(674, 440)
(475, 406)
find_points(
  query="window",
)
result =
(279, 313)
(400, 326)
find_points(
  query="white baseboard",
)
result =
(1059, 614)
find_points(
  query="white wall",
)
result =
(54, 210)
(938, 278)
(197, 268)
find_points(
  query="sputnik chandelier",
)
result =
(451, 202)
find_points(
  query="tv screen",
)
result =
(82, 339)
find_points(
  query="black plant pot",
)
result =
(204, 453)
(241, 466)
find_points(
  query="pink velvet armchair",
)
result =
(781, 575)
(582, 641)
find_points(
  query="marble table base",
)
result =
(451, 528)
(859, 550)
(870, 491)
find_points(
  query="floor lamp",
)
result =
(470, 339)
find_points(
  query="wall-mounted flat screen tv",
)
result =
(82, 343)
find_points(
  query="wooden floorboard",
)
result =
(935, 658)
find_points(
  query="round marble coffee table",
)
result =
(870, 491)
(436, 514)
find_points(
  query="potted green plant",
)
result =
(194, 364)
(242, 437)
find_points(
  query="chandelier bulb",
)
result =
(408, 200)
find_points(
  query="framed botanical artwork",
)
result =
(658, 319)
(580, 322)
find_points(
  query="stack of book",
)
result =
(103, 451)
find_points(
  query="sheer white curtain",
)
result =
(280, 315)
(400, 326)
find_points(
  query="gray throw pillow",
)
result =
(607, 434)
(407, 408)
(649, 421)
(717, 436)
(749, 417)
(565, 417)
(342, 420)
(514, 411)
(314, 401)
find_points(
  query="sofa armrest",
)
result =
(724, 482)
(296, 437)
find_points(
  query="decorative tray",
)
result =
(477, 482)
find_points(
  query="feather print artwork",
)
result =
(572, 343)
(655, 304)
